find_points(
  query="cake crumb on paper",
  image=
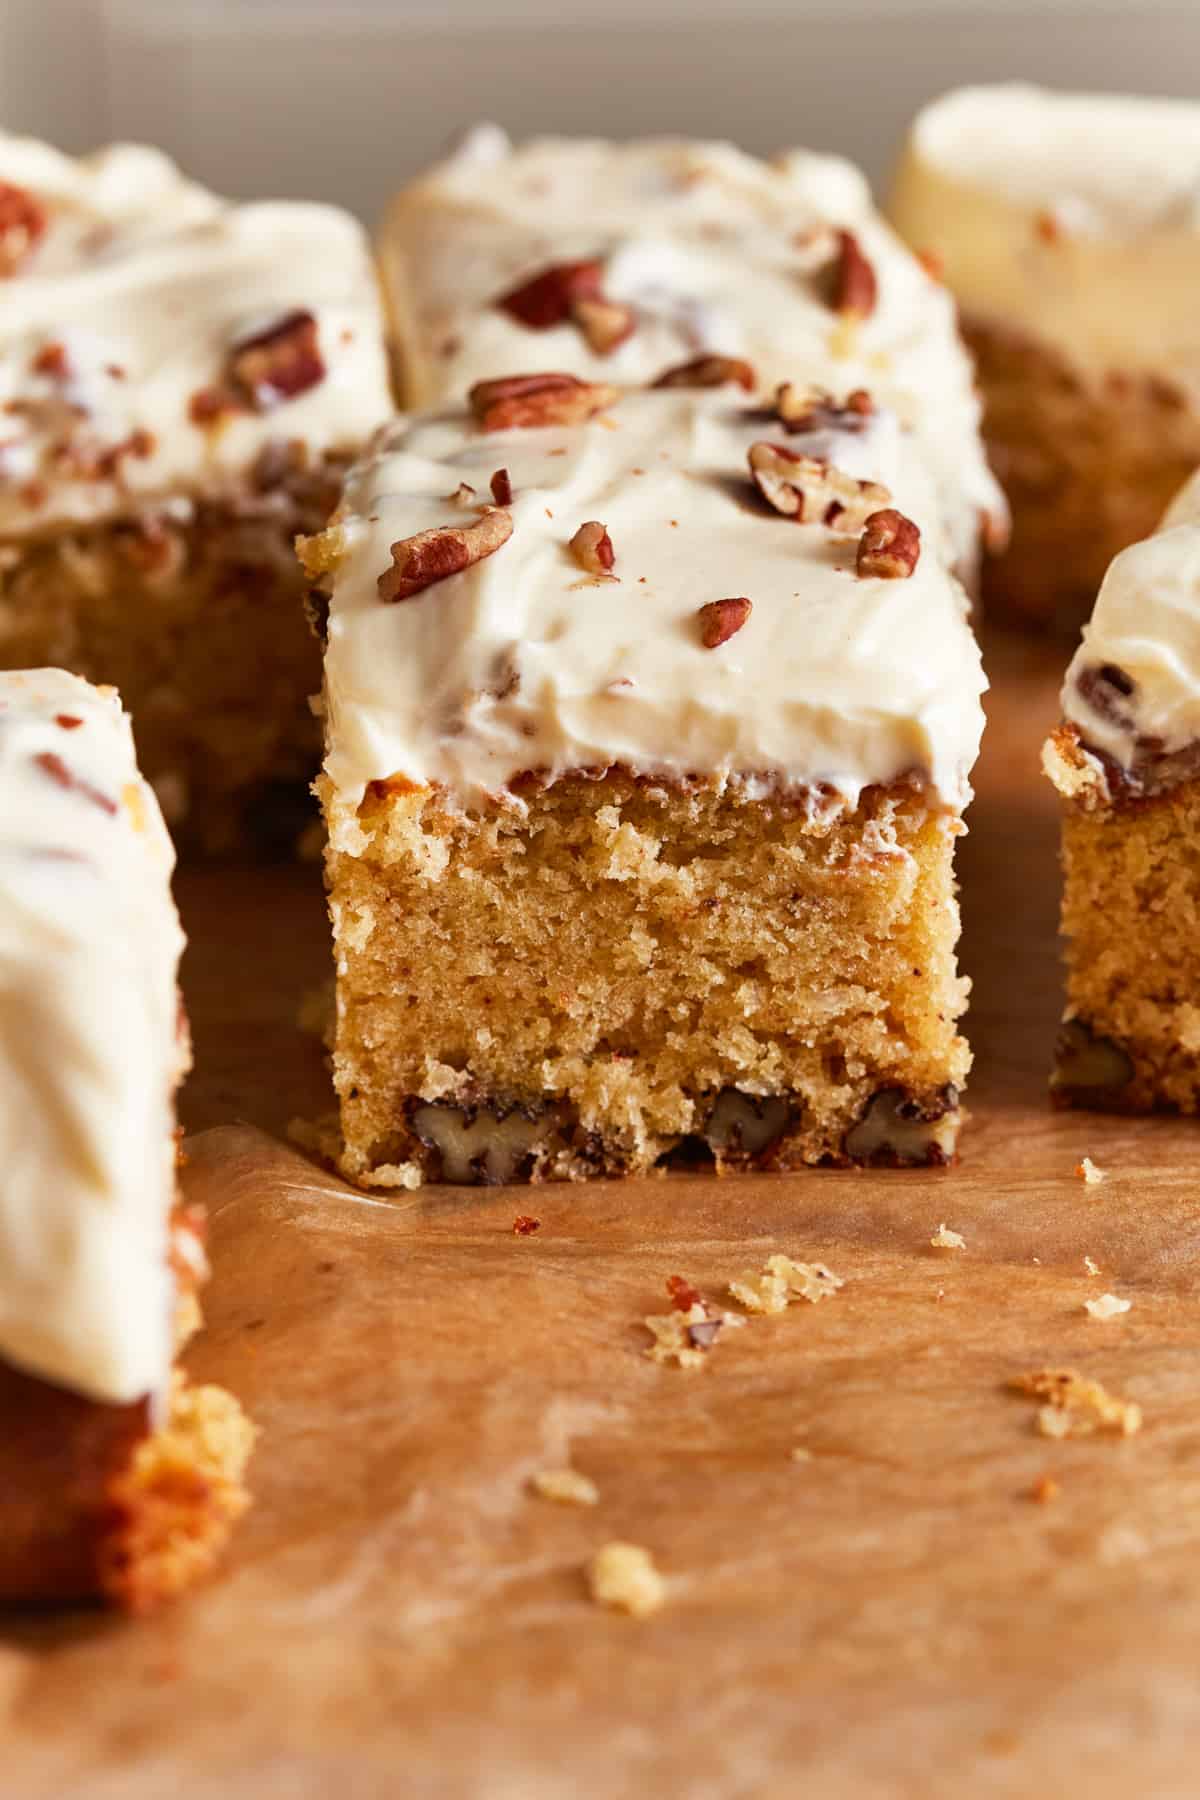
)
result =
(1089, 1173)
(1093, 1268)
(1045, 1489)
(801, 1454)
(1108, 1306)
(945, 1239)
(624, 1576)
(772, 1289)
(682, 1338)
(566, 1486)
(1076, 1406)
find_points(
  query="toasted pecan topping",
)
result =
(811, 491)
(23, 221)
(52, 360)
(708, 372)
(279, 362)
(852, 287)
(572, 291)
(720, 619)
(890, 546)
(682, 1294)
(592, 548)
(463, 495)
(501, 488)
(431, 556)
(527, 401)
(52, 764)
(548, 299)
(815, 409)
(604, 323)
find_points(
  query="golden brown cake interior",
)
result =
(1088, 464)
(1131, 885)
(628, 968)
(198, 620)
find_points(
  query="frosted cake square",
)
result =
(182, 382)
(119, 1479)
(649, 722)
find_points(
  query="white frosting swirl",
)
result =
(147, 283)
(89, 1048)
(1144, 630)
(715, 250)
(523, 662)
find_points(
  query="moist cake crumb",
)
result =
(1093, 1268)
(567, 1486)
(1076, 1406)
(772, 1289)
(945, 1239)
(1108, 1306)
(1089, 1173)
(624, 1576)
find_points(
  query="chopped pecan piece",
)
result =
(549, 299)
(52, 360)
(815, 409)
(683, 1294)
(890, 546)
(708, 372)
(431, 556)
(501, 488)
(811, 491)
(852, 285)
(898, 1130)
(279, 362)
(23, 223)
(52, 764)
(1089, 1070)
(527, 401)
(592, 548)
(721, 619)
(604, 323)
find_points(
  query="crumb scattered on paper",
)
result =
(1044, 1490)
(1093, 1268)
(771, 1289)
(568, 1486)
(801, 1454)
(525, 1226)
(1075, 1406)
(1087, 1171)
(624, 1576)
(1108, 1306)
(683, 1338)
(945, 1239)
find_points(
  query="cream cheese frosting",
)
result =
(523, 661)
(120, 329)
(712, 250)
(90, 1046)
(1072, 217)
(1133, 685)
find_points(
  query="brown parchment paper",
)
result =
(893, 1616)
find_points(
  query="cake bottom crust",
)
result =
(194, 610)
(628, 976)
(1088, 465)
(1131, 892)
(98, 1504)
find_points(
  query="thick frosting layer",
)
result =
(121, 327)
(90, 1049)
(1133, 687)
(1072, 217)
(712, 249)
(525, 662)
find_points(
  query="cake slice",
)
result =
(649, 722)
(622, 262)
(118, 1478)
(1126, 761)
(181, 384)
(1067, 227)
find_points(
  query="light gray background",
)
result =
(340, 99)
